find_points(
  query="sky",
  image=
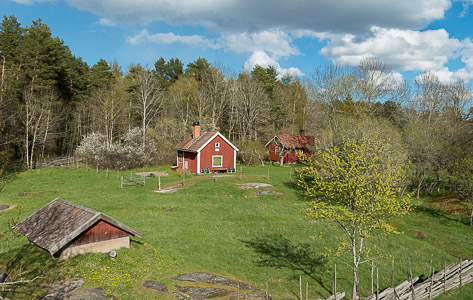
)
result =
(296, 37)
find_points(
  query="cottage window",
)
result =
(277, 149)
(217, 147)
(217, 161)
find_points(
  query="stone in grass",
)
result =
(4, 206)
(251, 296)
(422, 235)
(201, 293)
(193, 277)
(63, 289)
(211, 278)
(93, 293)
(155, 285)
(3, 275)
(169, 208)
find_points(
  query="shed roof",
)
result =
(196, 145)
(60, 221)
(295, 141)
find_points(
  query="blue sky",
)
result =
(412, 36)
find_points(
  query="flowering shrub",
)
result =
(130, 153)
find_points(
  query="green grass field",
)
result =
(207, 231)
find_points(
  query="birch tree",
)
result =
(148, 97)
(355, 185)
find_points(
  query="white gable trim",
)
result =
(213, 137)
(198, 163)
(276, 137)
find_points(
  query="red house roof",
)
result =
(295, 141)
(197, 144)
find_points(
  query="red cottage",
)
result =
(66, 229)
(287, 148)
(206, 151)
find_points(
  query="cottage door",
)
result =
(186, 164)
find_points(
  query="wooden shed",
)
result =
(206, 151)
(287, 148)
(66, 229)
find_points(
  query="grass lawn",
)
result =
(207, 229)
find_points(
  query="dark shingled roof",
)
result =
(60, 221)
(193, 145)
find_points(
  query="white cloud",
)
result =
(354, 16)
(169, 38)
(106, 22)
(29, 2)
(276, 42)
(404, 50)
(264, 60)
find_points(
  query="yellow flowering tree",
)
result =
(355, 184)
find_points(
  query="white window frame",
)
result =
(221, 161)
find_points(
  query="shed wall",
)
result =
(100, 231)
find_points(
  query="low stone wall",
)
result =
(103, 246)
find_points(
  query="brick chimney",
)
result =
(195, 130)
(302, 132)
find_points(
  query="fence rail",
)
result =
(451, 277)
(56, 162)
(133, 181)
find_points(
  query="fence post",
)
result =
(410, 277)
(241, 171)
(307, 291)
(122, 183)
(377, 284)
(300, 287)
(335, 281)
(444, 272)
(266, 290)
(431, 283)
(392, 274)
(143, 177)
(159, 182)
(372, 275)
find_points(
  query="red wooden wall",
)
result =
(290, 157)
(227, 151)
(101, 231)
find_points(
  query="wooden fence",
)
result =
(133, 181)
(56, 162)
(451, 277)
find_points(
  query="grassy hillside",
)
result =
(207, 230)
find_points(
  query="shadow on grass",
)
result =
(440, 215)
(24, 264)
(278, 252)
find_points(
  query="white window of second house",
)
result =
(217, 161)
(217, 147)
